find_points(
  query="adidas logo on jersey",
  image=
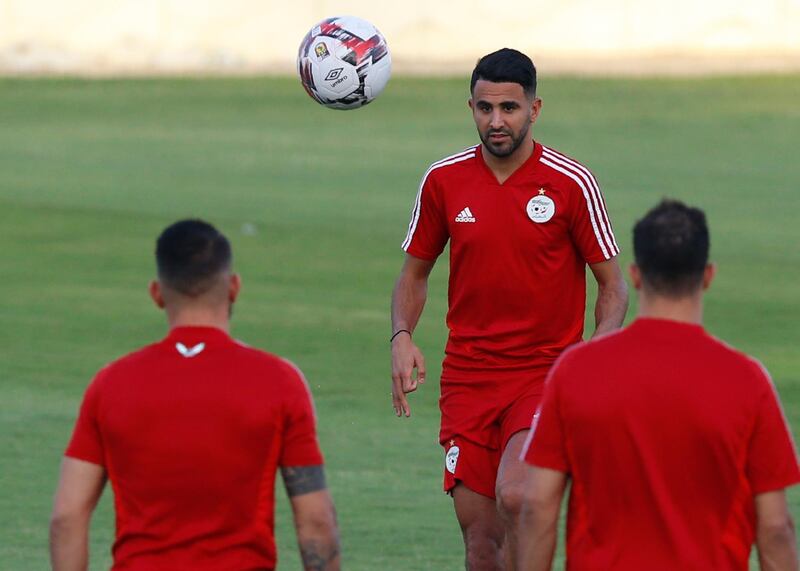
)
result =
(465, 216)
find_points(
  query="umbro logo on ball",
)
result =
(334, 74)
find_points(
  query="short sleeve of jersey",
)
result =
(86, 442)
(300, 446)
(772, 459)
(427, 231)
(547, 444)
(590, 226)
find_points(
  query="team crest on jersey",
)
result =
(451, 459)
(541, 207)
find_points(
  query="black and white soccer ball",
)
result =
(344, 62)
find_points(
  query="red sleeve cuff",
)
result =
(421, 254)
(91, 458)
(776, 484)
(313, 459)
(543, 460)
(599, 258)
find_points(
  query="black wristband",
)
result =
(398, 332)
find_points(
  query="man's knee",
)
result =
(483, 546)
(509, 500)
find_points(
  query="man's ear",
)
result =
(234, 287)
(156, 294)
(636, 276)
(536, 108)
(708, 275)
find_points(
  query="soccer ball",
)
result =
(344, 62)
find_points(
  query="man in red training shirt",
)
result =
(191, 431)
(523, 222)
(676, 445)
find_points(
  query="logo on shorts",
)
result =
(451, 459)
(541, 208)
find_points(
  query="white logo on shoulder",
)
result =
(465, 216)
(451, 459)
(190, 352)
(541, 208)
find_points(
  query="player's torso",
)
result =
(192, 443)
(515, 230)
(670, 447)
(517, 283)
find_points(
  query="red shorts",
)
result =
(478, 419)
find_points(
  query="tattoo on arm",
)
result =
(303, 479)
(317, 556)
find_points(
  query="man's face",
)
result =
(503, 115)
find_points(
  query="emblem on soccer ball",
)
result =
(322, 51)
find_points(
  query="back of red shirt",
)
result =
(191, 431)
(667, 434)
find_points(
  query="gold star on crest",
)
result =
(452, 442)
(542, 191)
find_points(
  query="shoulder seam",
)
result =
(595, 204)
(415, 212)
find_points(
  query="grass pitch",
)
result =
(316, 203)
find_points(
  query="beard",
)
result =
(499, 150)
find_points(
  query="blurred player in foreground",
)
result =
(523, 222)
(191, 431)
(676, 444)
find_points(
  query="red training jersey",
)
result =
(668, 434)
(518, 255)
(191, 431)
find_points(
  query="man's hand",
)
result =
(408, 299)
(405, 358)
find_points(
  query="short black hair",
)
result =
(671, 245)
(506, 66)
(190, 255)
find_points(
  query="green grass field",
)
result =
(316, 203)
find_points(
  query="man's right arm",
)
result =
(408, 300)
(775, 535)
(538, 527)
(314, 517)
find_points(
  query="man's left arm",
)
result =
(314, 517)
(79, 489)
(612, 296)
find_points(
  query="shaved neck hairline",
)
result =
(219, 280)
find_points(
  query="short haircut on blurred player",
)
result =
(191, 255)
(670, 245)
(506, 66)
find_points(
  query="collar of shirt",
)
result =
(519, 174)
(191, 335)
(660, 323)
